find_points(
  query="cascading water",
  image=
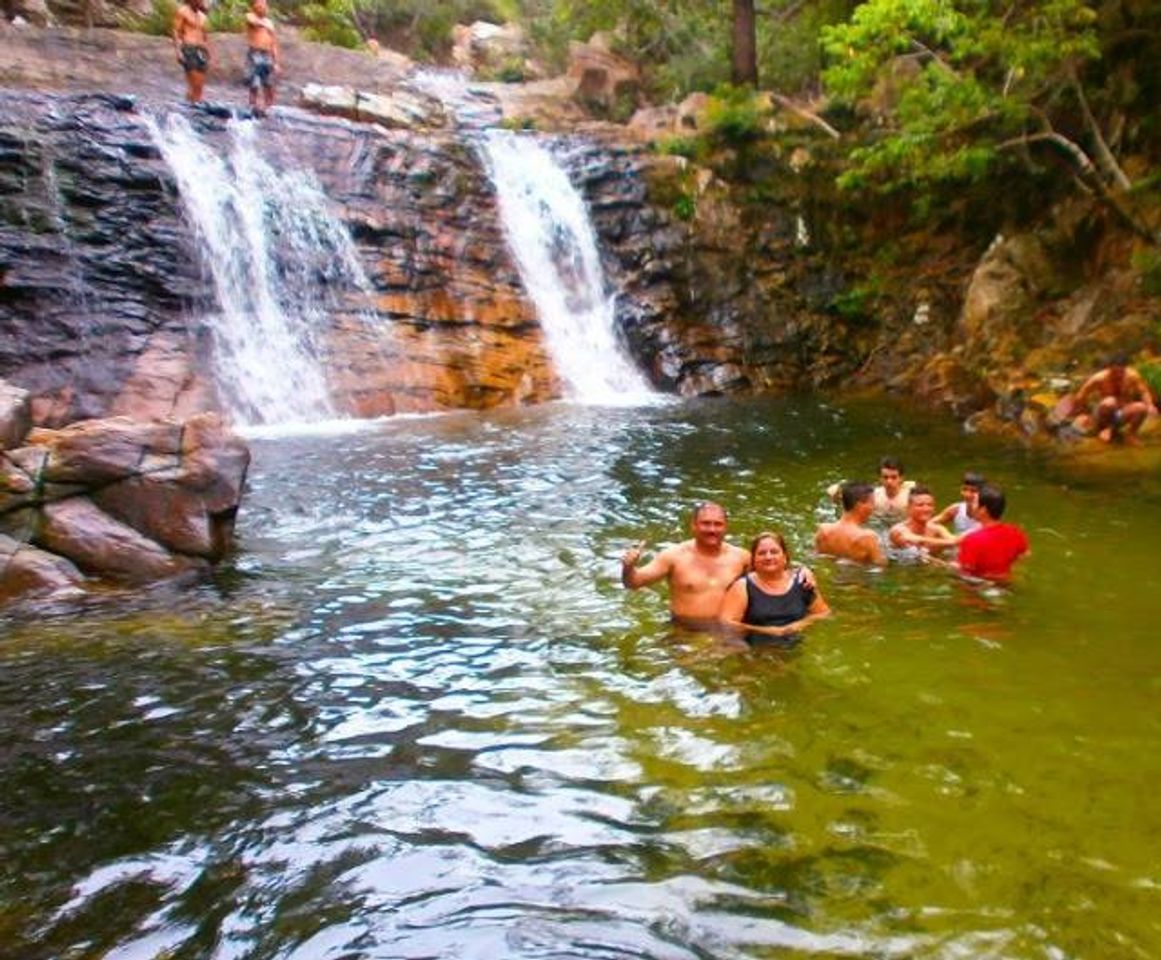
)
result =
(550, 233)
(277, 256)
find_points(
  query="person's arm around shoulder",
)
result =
(656, 569)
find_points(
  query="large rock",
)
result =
(15, 415)
(401, 109)
(27, 572)
(80, 531)
(119, 499)
(491, 50)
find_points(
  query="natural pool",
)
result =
(419, 717)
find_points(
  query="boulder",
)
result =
(401, 109)
(83, 533)
(15, 415)
(189, 507)
(490, 50)
(605, 83)
(26, 571)
(95, 452)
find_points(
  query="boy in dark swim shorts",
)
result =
(261, 57)
(191, 41)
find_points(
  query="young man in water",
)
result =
(889, 498)
(698, 570)
(848, 537)
(990, 551)
(1122, 402)
(192, 42)
(920, 535)
(262, 57)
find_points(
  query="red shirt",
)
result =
(990, 551)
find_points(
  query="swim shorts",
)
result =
(194, 58)
(259, 69)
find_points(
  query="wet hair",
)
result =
(1118, 359)
(767, 535)
(705, 505)
(920, 490)
(891, 463)
(973, 479)
(855, 492)
(992, 498)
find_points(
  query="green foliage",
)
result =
(735, 116)
(692, 148)
(228, 16)
(157, 21)
(685, 207)
(423, 29)
(1150, 372)
(953, 83)
(1147, 263)
(330, 21)
(857, 303)
(518, 123)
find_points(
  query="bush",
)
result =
(330, 23)
(734, 116)
(157, 21)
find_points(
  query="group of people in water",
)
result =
(191, 41)
(760, 595)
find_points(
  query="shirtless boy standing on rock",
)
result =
(261, 57)
(698, 571)
(192, 43)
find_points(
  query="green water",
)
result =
(418, 716)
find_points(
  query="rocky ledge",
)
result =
(114, 500)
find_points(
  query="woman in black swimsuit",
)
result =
(771, 603)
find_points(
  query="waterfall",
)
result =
(550, 233)
(277, 257)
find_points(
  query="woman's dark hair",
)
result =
(776, 537)
(973, 479)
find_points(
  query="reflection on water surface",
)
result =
(418, 717)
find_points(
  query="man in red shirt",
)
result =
(990, 551)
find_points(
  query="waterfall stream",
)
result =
(278, 259)
(552, 237)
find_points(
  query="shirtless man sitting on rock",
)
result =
(1122, 402)
(848, 537)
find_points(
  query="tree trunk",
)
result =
(744, 71)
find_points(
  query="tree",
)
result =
(744, 60)
(963, 84)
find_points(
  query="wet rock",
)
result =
(80, 531)
(121, 500)
(15, 415)
(401, 109)
(28, 572)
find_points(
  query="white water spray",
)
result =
(277, 256)
(550, 233)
